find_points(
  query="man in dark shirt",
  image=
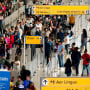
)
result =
(16, 38)
(18, 50)
(24, 73)
(18, 53)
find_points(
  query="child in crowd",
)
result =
(86, 60)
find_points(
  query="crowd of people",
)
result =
(23, 81)
(7, 7)
(56, 31)
(5, 10)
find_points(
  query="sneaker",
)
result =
(82, 74)
(62, 69)
(88, 75)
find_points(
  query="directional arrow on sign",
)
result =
(40, 38)
(33, 7)
(45, 82)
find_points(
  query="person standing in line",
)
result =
(27, 82)
(67, 66)
(17, 86)
(72, 48)
(66, 41)
(24, 73)
(76, 57)
(60, 54)
(19, 80)
(19, 53)
(83, 40)
(86, 58)
(16, 64)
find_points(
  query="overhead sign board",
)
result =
(33, 39)
(60, 10)
(65, 83)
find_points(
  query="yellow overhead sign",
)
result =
(65, 83)
(60, 10)
(65, 88)
(33, 39)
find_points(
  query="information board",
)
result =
(33, 39)
(4, 80)
(65, 84)
(60, 10)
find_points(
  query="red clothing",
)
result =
(4, 8)
(12, 39)
(9, 45)
(84, 56)
(8, 68)
(32, 87)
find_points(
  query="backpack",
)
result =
(32, 87)
(87, 58)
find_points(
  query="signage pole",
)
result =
(24, 48)
(43, 54)
(78, 2)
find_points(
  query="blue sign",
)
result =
(4, 80)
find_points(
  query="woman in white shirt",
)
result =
(16, 64)
(30, 22)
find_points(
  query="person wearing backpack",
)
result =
(67, 66)
(76, 57)
(24, 73)
(86, 60)
(71, 20)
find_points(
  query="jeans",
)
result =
(87, 67)
(60, 59)
(82, 45)
(66, 47)
(77, 68)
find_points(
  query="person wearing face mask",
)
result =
(59, 19)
